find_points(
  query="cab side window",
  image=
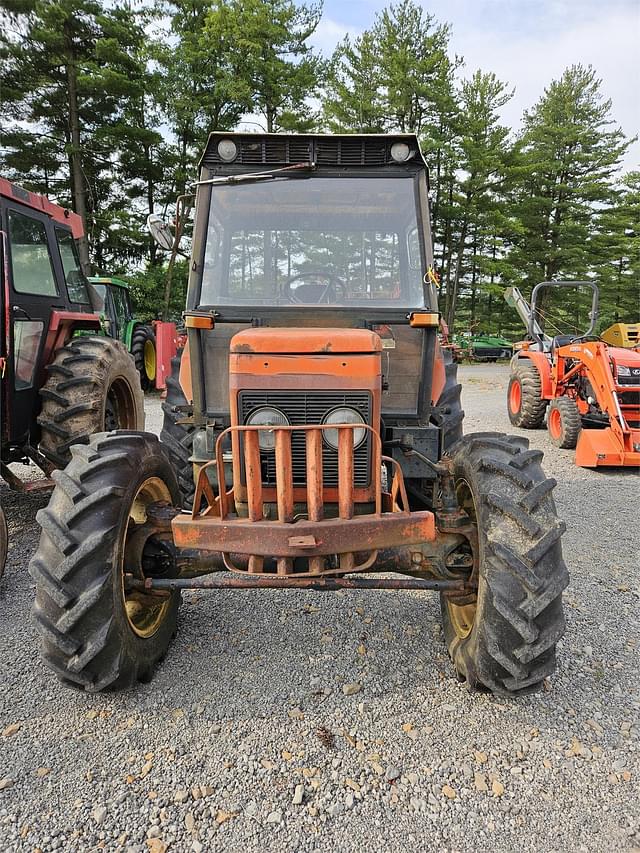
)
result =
(30, 258)
(73, 275)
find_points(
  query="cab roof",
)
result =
(108, 279)
(43, 204)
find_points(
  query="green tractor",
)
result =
(481, 347)
(119, 322)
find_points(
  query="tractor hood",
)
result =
(627, 357)
(314, 340)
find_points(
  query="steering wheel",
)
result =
(325, 284)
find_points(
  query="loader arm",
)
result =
(619, 442)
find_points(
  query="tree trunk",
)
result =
(78, 185)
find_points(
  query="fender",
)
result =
(62, 325)
(543, 365)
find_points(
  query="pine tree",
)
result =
(272, 58)
(569, 153)
(67, 68)
(352, 96)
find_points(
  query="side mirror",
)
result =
(160, 231)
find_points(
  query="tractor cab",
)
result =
(48, 399)
(114, 307)
(312, 232)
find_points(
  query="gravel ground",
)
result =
(252, 736)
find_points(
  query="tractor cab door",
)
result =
(33, 290)
(43, 276)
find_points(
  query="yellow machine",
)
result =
(622, 335)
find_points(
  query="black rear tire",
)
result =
(525, 405)
(448, 410)
(504, 638)
(143, 338)
(85, 622)
(92, 386)
(178, 437)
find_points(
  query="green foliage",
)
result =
(107, 106)
(147, 291)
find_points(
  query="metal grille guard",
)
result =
(354, 540)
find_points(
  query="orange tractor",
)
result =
(589, 390)
(312, 435)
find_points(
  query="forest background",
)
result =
(107, 106)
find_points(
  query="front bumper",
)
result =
(386, 539)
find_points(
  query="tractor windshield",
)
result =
(314, 241)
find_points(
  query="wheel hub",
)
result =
(145, 610)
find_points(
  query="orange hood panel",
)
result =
(290, 341)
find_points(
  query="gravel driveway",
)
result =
(295, 721)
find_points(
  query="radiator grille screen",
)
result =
(310, 408)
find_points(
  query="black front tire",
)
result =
(504, 639)
(91, 631)
(177, 437)
(564, 422)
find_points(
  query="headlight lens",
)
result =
(227, 150)
(267, 416)
(343, 415)
(623, 370)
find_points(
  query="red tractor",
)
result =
(589, 391)
(57, 388)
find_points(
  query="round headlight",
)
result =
(227, 150)
(267, 416)
(343, 415)
(401, 152)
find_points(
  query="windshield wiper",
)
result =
(260, 176)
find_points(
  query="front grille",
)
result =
(310, 408)
(633, 380)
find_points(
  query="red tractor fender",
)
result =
(62, 325)
(543, 365)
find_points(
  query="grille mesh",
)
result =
(310, 408)
(326, 151)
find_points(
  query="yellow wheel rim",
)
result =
(149, 354)
(463, 615)
(145, 611)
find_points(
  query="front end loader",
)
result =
(312, 435)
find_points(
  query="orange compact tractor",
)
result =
(56, 388)
(312, 435)
(590, 391)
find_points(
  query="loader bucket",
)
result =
(602, 447)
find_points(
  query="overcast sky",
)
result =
(528, 43)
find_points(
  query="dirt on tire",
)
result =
(510, 646)
(79, 609)
(177, 437)
(92, 386)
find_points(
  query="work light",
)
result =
(227, 150)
